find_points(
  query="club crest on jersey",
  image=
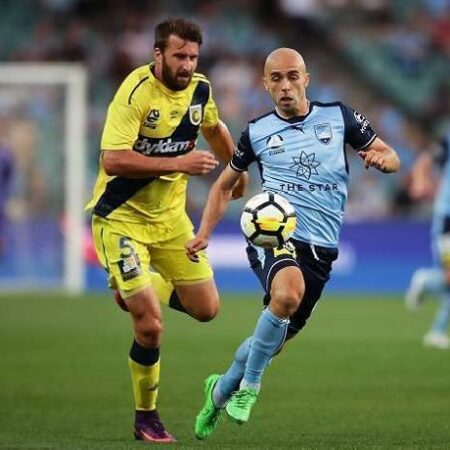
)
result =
(151, 121)
(323, 132)
(195, 114)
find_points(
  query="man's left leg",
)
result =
(165, 291)
(286, 292)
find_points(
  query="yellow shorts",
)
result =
(130, 251)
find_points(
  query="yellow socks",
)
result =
(144, 366)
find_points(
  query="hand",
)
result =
(195, 245)
(197, 162)
(373, 158)
(240, 187)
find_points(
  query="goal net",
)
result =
(43, 111)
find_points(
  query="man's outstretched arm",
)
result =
(221, 141)
(379, 155)
(216, 205)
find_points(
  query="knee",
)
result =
(285, 301)
(207, 313)
(149, 331)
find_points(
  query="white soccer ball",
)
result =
(268, 220)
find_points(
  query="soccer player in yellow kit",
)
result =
(139, 218)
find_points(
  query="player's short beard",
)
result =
(289, 110)
(170, 79)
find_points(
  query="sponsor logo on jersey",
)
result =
(362, 121)
(195, 114)
(309, 187)
(275, 144)
(151, 121)
(238, 152)
(305, 165)
(149, 146)
(323, 132)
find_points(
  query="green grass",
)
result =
(357, 377)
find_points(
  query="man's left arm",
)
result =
(221, 141)
(380, 156)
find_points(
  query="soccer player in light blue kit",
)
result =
(434, 280)
(300, 151)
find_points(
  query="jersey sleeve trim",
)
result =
(135, 88)
(368, 143)
(236, 169)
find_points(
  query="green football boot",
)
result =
(208, 417)
(240, 405)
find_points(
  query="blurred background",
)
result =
(387, 59)
(358, 376)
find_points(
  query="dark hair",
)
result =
(182, 28)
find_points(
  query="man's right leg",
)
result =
(424, 281)
(126, 260)
(437, 336)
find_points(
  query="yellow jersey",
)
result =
(147, 117)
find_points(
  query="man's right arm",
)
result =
(120, 132)
(131, 164)
(422, 184)
(216, 205)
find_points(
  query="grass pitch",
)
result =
(356, 378)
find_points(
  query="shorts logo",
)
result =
(195, 114)
(287, 249)
(323, 132)
(130, 267)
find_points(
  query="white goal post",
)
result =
(73, 77)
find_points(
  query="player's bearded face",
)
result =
(176, 78)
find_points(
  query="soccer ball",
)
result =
(268, 220)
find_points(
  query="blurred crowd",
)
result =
(111, 37)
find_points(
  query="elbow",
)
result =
(110, 169)
(110, 164)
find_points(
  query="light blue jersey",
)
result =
(303, 159)
(441, 214)
(442, 159)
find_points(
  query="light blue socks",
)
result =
(252, 357)
(229, 381)
(433, 281)
(269, 336)
(442, 319)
